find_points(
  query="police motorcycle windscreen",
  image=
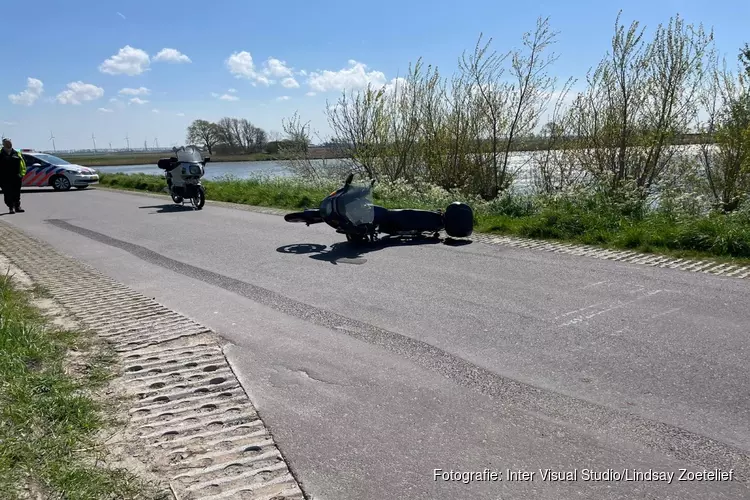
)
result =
(191, 161)
(189, 154)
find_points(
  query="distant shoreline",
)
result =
(120, 160)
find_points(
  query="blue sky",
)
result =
(85, 53)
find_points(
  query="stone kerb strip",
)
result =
(188, 406)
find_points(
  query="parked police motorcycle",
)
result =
(183, 173)
(350, 211)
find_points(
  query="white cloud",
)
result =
(138, 100)
(105, 110)
(10, 124)
(122, 16)
(263, 80)
(290, 83)
(171, 56)
(283, 98)
(311, 94)
(180, 114)
(355, 76)
(114, 99)
(138, 91)
(302, 72)
(34, 90)
(79, 92)
(277, 68)
(241, 65)
(225, 97)
(128, 61)
(397, 84)
(232, 91)
(154, 110)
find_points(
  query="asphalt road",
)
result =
(373, 370)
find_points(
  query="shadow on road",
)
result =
(171, 208)
(348, 253)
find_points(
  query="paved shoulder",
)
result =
(189, 405)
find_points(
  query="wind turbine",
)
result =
(93, 139)
(145, 144)
(110, 146)
(52, 138)
(127, 139)
(156, 142)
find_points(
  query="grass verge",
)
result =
(592, 220)
(50, 417)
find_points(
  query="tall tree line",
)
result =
(228, 135)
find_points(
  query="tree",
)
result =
(203, 132)
(726, 156)
(358, 120)
(510, 109)
(225, 132)
(745, 58)
(556, 169)
(295, 149)
(641, 97)
(297, 133)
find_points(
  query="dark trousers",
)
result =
(11, 187)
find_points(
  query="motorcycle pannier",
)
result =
(459, 220)
(167, 163)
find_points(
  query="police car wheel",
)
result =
(60, 183)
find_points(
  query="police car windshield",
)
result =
(52, 160)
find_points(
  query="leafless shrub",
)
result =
(640, 98)
(726, 157)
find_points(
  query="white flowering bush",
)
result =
(421, 194)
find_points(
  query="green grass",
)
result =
(49, 417)
(591, 220)
(710, 238)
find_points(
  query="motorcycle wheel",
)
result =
(200, 199)
(356, 238)
(177, 199)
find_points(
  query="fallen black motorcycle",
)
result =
(350, 211)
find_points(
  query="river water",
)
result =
(519, 162)
(250, 169)
(237, 169)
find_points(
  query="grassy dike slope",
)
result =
(52, 409)
(585, 219)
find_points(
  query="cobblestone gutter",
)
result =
(189, 408)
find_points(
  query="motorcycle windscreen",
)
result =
(189, 155)
(356, 205)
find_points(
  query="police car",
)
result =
(44, 170)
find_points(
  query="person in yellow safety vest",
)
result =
(12, 170)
